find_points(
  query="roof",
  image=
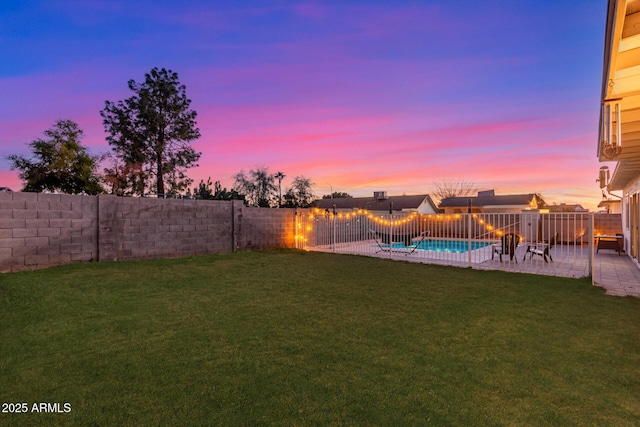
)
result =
(371, 203)
(563, 207)
(481, 201)
(621, 91)
(608, 202)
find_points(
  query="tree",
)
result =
(60, 163)
(222, 193)
(150, 133)
(279, 176)
(300, 195)
(122, 177)
(258, 187)
(337, 195)
(451, 188)
(205, 192)
(540, 201)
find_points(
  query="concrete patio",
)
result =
(617, 274)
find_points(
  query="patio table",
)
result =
(609, 242)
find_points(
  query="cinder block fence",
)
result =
(40, 230)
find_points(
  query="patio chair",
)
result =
(508, 246)
(375, 236)
(421, 237)
(543, 252)
(385, 239)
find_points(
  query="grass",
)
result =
(296, 338)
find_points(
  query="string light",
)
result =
(390, 222)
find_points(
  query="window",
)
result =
(626, 208)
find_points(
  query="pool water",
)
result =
(449, 246)
(453, 246)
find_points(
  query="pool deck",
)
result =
(617, 274)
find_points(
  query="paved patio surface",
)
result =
(617, 274)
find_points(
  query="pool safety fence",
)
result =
(541, 243)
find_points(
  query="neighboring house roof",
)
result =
(563, 207)
(487, 201)
(379, 204)
(609, 202)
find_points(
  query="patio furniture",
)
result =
(610, 242)
(421, 237)
(385, 242)
(542, 248)
(508, 245)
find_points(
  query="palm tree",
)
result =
(279, 176)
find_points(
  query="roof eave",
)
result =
(606, 68)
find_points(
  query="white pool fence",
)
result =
(559, 244)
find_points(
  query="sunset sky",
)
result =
(358, 96)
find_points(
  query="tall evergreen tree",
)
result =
(151, 132)
(60, 163)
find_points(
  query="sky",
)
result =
(358, 96)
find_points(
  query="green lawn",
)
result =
(296, 338)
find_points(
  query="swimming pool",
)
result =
(452, 246)
(446, 246)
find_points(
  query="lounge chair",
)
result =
(375, 236)
(542, 250)
(421, 237)
(508, 246)
(385, 243)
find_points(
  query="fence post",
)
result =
(469, 239)
(334, 229)
(591, 249)
(233, 227)
(390, 233)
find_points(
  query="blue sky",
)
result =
(358, 96)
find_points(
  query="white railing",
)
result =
(552, 244)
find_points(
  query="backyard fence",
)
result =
(542, 243)
(40, 230)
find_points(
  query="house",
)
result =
(488, 202)
(380, 201)
(611, 206)
(619, 133)
(564, 207)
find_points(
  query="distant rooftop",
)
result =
(379, 202)
(488, 198)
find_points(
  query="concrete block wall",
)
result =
(41, 230)
(607, 224)
(263, 228)
(139, 228)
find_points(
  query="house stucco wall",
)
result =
(633, 188)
